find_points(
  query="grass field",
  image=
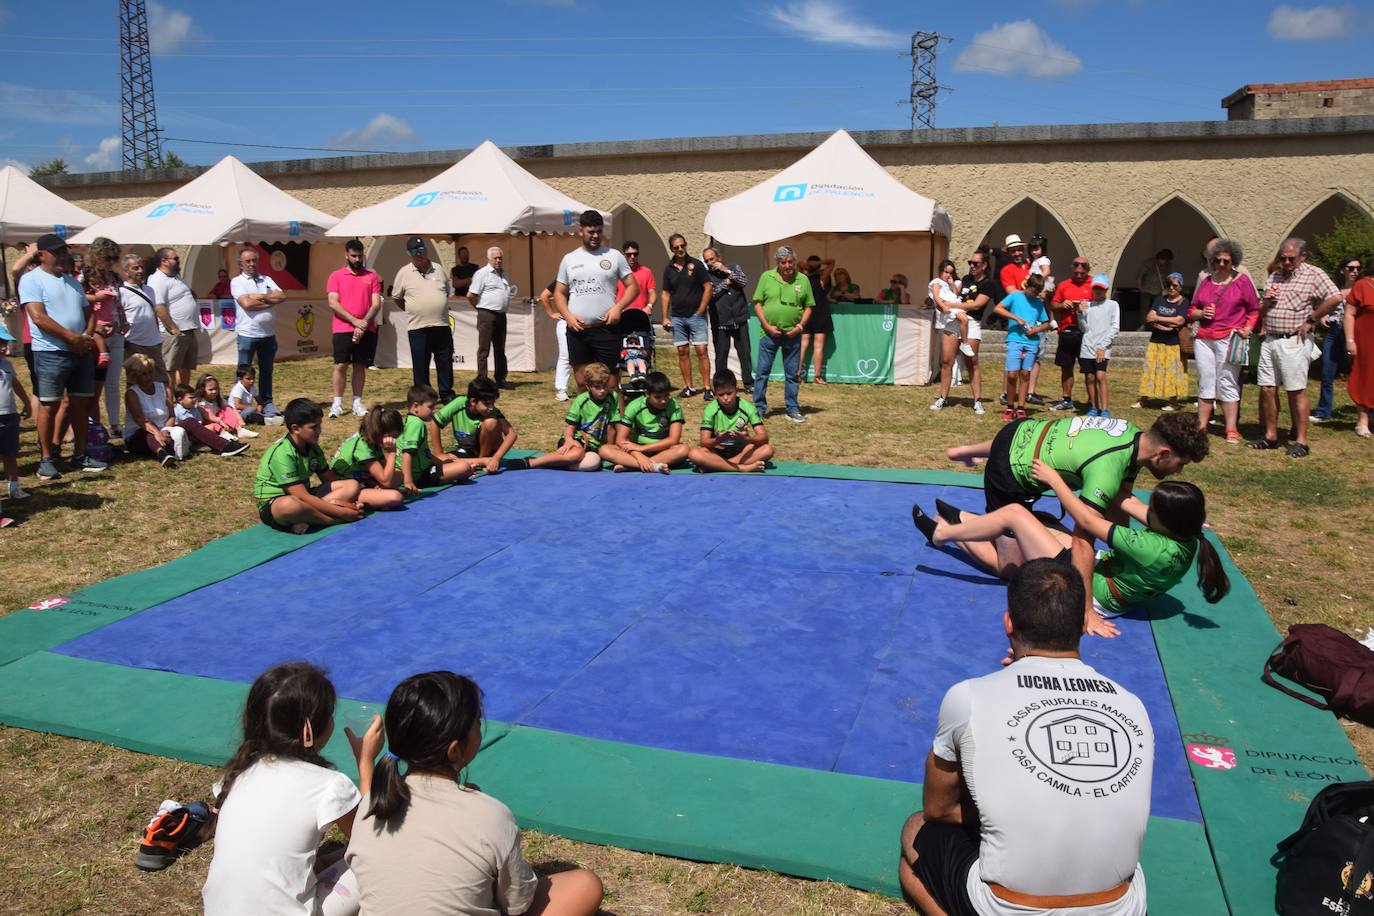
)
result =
(70, 811)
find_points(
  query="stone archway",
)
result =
(1321, 217)
(1175, 224)
(628, 224)
(1031, 216)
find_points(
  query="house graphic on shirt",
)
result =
(1081, 741)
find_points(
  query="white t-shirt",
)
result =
(1059, 761)
(268, 831)
(177, 296)
(590, 277)
(144, 328)
(248, 397)
(492, 289)
(259, 322)
(456, 851)
(1042, 266)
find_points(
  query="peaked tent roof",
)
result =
(28, 210)
(837, 187)
(229, 202)
(485, 192)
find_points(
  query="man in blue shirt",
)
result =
(62, 325)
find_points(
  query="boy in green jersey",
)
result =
(286, 501)
(589, 425)
(481, 433)
(419, 468)
(650, 435)
(733, 437)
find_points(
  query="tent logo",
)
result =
(161, 211)
(293, 227)
(786, 192)
(60, 231)
(567, 217)
(423, 200)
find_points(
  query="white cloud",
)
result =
(832, 23)
(1017, 49)
(56, 106)
(1312, 23)
(384, 128)
(167, 28)
(106, 156)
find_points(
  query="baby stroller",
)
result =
(636, 362)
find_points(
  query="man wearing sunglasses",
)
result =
(1071, 298)
(685, 297)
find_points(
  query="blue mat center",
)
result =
(791, 620)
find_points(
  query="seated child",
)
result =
(428, 842)
(279, 796)
(635, 355)
(419, 468)
(589, 425)
(223, 418)
(243, 397)
(369, 457)
(481, 433)
(732, 434)
(190, 418)
(651, 435)
(286, 501)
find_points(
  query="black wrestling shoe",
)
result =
(924, 523)
(949, 513)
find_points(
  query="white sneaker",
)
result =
(560, 395)
(274, 420)
(336, 409)
(16, 492)
(938, 405)
(966, 348)
(270, 410)
(246, 433)
(978, 408)
(359, 409)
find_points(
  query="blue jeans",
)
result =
(266, 350)
(791, 365)
(1333, 360)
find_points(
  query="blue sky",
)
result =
(386, 78)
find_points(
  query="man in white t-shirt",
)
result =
(490, 290)
(1037, 789)
(585, 297)
(255, 323)
(179, 349)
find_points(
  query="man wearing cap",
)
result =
(421, 291)
(255, 296)
(62, 326)
(586, 298)
(489, 290)
(355, 298)
(1071, 297)
(782, 301)
(180, 346)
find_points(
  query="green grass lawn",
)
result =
(70, 811)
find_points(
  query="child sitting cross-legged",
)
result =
(733, 437)
(588, 426)
(649, 436)
(369, 457)
(286, 501)
(192, 419)
(481, 433)
(419, 467)
(223, 418)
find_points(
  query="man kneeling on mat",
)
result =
(282, 488)
(1014, 818)
(648, 435)
(733, 437)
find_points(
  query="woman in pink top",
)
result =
(1225, 303)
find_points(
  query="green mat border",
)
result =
(1212, 674)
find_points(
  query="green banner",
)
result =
(860, 350)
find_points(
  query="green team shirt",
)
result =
(353, 454)
(783, 302)
(415, 439)
(646, 426)
(283, 465)
(1094, 455)
(744, 418)
(465, 426)
(592, 420)
(1142, 563)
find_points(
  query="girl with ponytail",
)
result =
(277, 799)
(430, 843)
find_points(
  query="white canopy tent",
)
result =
(227, 203)
(28, 210)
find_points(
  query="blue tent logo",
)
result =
(293, 227)
(423, 200)
(161, 211)
(567, 217)
(60, 231)
(787, 192)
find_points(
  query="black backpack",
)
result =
(1327, 865)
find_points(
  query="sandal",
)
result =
(1264, 444)
(1298, 450)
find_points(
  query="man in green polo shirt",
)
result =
(286, 501)
(782, 302)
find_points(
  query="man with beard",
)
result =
(586, 299)
(355, 298)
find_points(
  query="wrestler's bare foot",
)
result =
(751, 467)
(300, 528)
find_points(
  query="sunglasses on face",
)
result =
(1286, 258)
(975, 263)
(1351, 267)
(1082, 264)
(679, 247)
(1221, 260)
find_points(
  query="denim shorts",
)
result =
(60, 372)
(691, 329)
(1021, 356)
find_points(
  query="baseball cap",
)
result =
(415, 244)
(1013, 241)
(1176, 276)
(51, 242)
(1102, 281)
(5, 335)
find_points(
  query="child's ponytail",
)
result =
(388, 792)
(1211, 575)
(1182, 509)
(379, 423)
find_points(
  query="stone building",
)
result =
(1320, 99)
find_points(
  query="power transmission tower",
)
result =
(141, 147)
(925, 49)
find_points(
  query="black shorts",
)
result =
(1000, 487)
(9, 434)
(1088, 365)
(361, 353)
(600, 344)
(432, 476)
(265, 513)
(1066, 353)
(944, 854)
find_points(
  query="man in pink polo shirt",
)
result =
(355, 298)
(635, 318)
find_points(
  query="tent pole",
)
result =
(529, 293)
